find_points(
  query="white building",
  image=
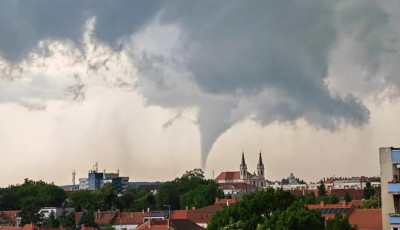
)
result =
(83, 184)
(58, 212)
(243, 176)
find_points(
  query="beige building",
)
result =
(390, 187)
(243, 176)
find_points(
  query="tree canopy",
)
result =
(369, 191)
(192, 189)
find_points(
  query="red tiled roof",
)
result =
(225, 201)
(104, 218)
(329, 180)
(30, 227)
(231, 175)
(204, 215)
(179, 214)
(128, 218)
(87, 228)
(299, 192)
(366, 218)
(153, 224)
(211, 208)
(10, 215)
(10, 228)
(178, 224)
(228, 176)
(315, 206)
(100, 218)
(357, 203)
(356, 194)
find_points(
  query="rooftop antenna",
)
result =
(73, 177)
(96, 166)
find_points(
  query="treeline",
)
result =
(191, 189)
(30, 197)
(274, 209)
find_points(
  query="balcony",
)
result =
(394, 188)
(394, 218)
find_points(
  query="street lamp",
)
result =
(169, 210)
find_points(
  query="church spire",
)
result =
(260, 167)
(243, 169)
(260, 159)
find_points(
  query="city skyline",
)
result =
(155, 89)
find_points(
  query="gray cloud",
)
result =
(264, 60)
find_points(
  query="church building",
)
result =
(243, 176)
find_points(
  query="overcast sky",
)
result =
(155, 88)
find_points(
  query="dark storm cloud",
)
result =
(24, 23)
(267, 60)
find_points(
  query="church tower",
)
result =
(260, 167)
(243, 169)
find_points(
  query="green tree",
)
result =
(51, 221)
(30, 214)
(31, 196)
(330, 199)
(108, 193)
(339, 223)
(192, 189)
(310, 198)
(144, 202)
(296, 217)
(321, 189)
(9, 199)
(347, 197)
(239, 225)
(84, 199)
(67, 220)
(90, 219)
(373, 202)
(200, 196)
(253, 209)
(369, 191)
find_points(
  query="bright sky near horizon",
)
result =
(155, 88)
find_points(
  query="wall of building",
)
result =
(385, 158)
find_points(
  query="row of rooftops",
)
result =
(363, 218)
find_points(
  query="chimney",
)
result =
(322, 204)
(142, 211)
(216, 200)
(227, 202)
(344, 203)
(193, 208)
(187, 208)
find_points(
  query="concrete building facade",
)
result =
(389, 159)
